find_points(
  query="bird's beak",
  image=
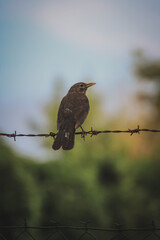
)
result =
(90, 84)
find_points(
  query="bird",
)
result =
(72, 112)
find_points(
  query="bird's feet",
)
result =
(84, 133)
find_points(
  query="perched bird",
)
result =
(72, 112)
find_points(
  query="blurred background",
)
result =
(46, 47)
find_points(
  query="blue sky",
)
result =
(41, 40)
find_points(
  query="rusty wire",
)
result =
(82, 133)
(79, 232)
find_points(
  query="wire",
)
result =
(82, 133)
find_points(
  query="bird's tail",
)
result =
(65, 136)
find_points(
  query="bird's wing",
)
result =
(81, 116)
(83, 109)
(66, 110)
(74, 107)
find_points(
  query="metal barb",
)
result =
(137, 130)
(93, 132)
(85, 225)
(118, 225)
(51, 134)
(131, 131)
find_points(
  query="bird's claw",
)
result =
(83, 134)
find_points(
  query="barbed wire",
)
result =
(57, 231)
(82, 133)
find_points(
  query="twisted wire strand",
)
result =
(82, 133)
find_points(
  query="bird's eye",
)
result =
(81, 85)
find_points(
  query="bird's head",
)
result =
(80, 87)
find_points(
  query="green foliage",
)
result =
(68, 191)
(19, 191)
(148, 70)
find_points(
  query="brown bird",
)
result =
(72, 112)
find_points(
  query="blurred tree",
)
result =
(147, 69)
(140, 191)
(20, 195)
(108, 174)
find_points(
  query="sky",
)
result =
(42, 40)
